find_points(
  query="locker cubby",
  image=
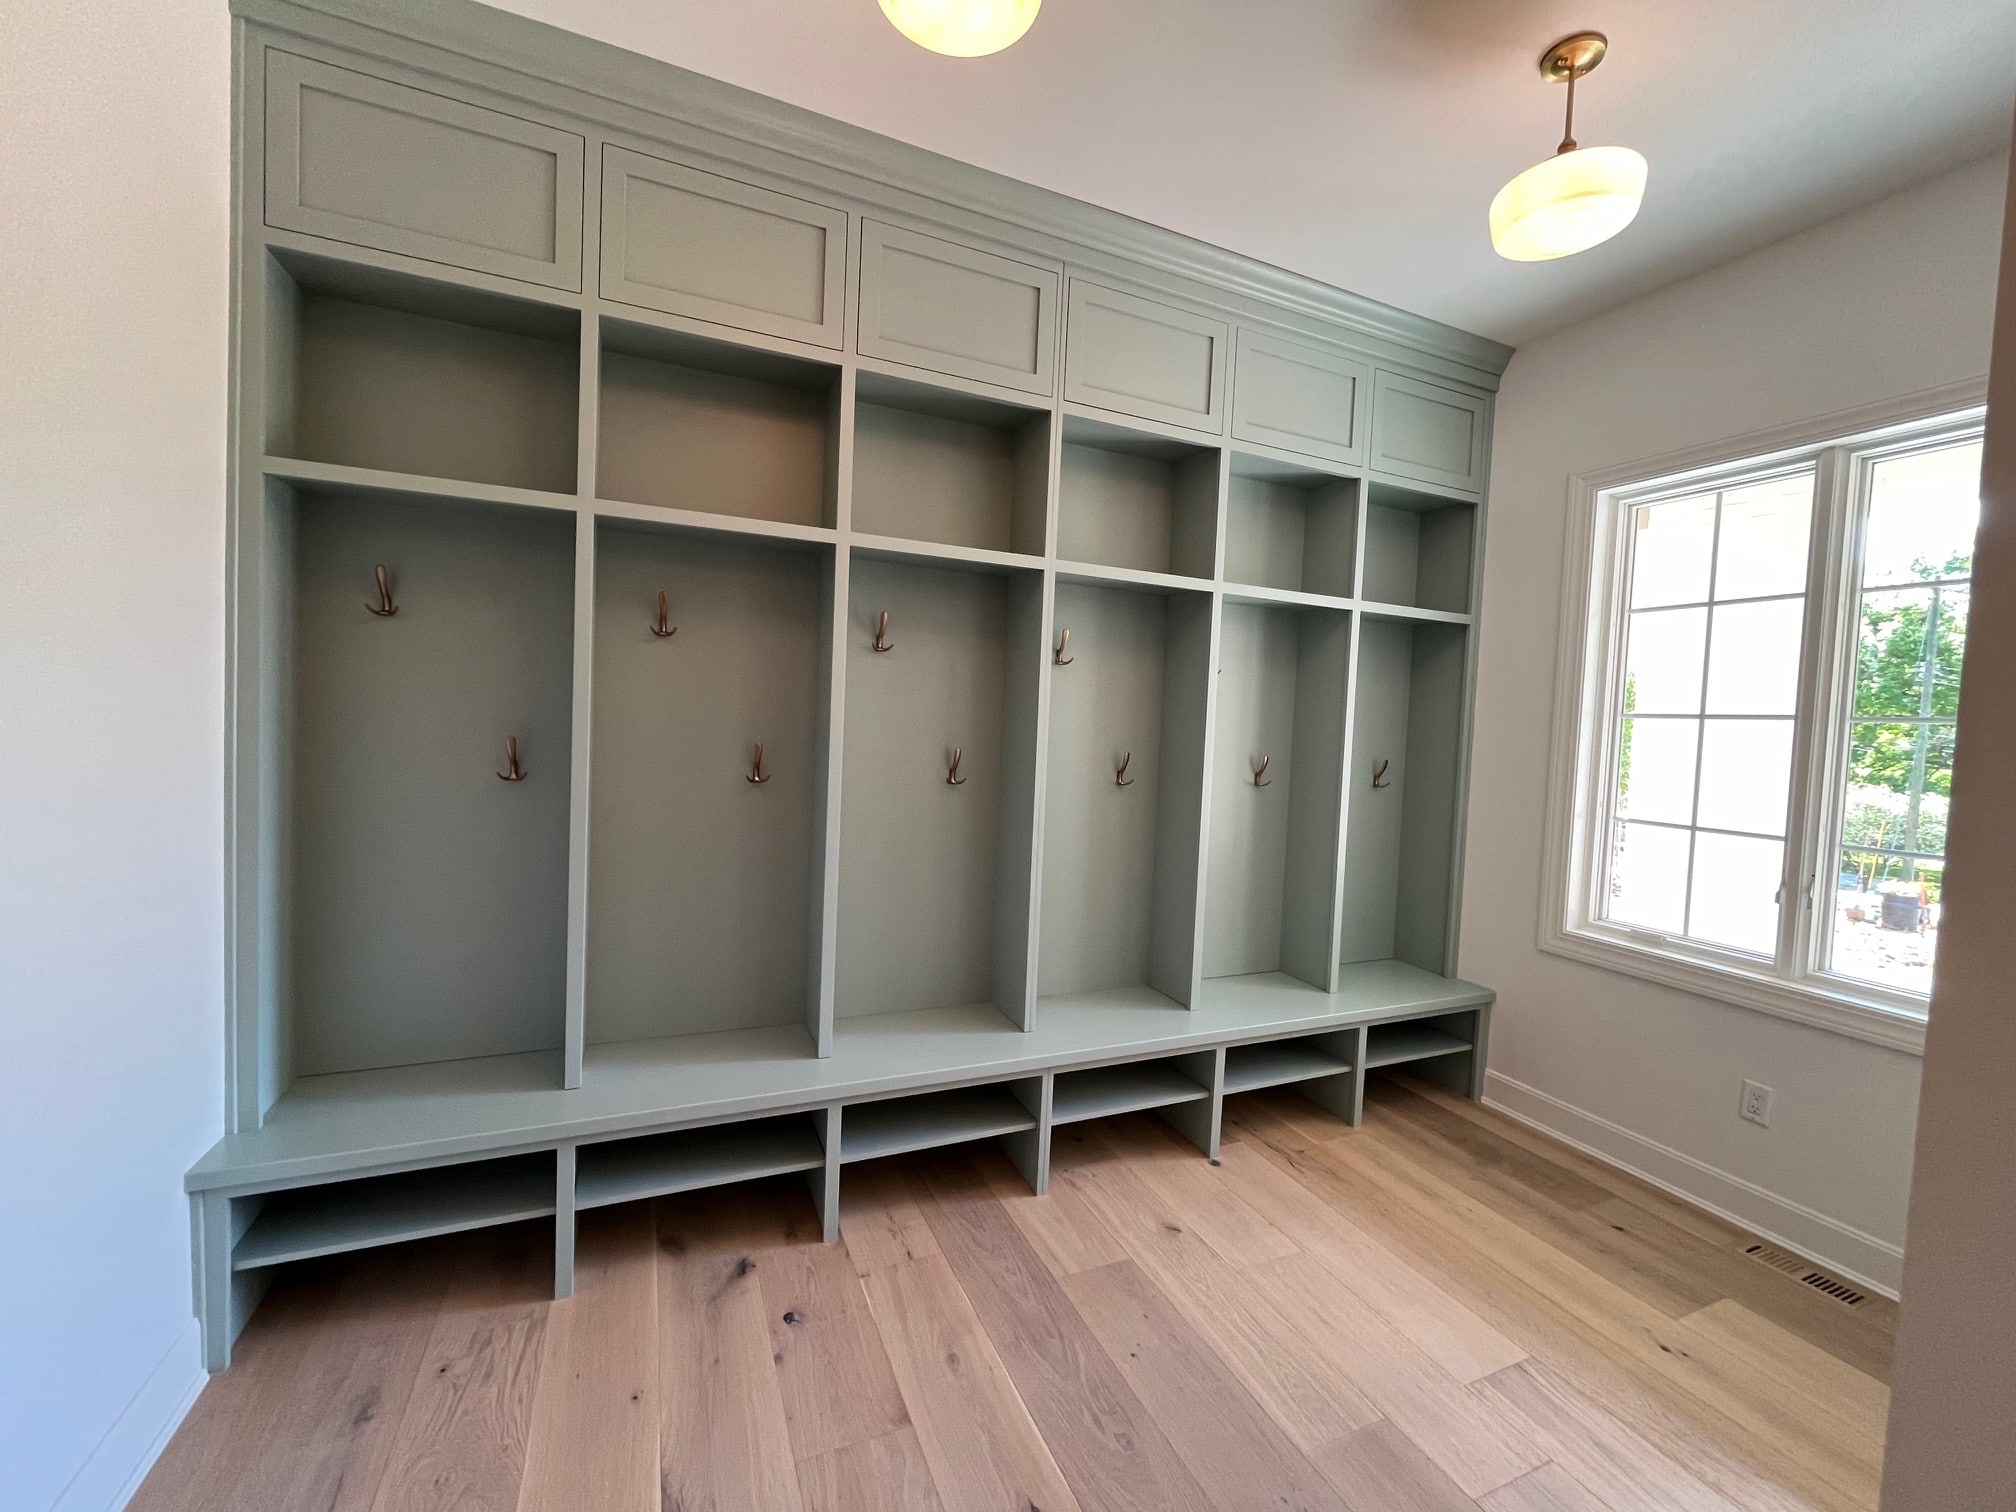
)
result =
(1422, 1039)
(686, 1160)
(1290, 527)
(1280, 1063)
(933, 1120)
(1121, 863)
(700, 881)
(941, 465)
(1400, 848)
(935, 910)
(374, 369)
(689, 423)
(1283, 676)
(1104, 1091)
(420, 904)
(1418, 550)
(1133, 499)
(302, 1223)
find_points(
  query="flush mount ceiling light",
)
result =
(1578, 197)
(962, 28)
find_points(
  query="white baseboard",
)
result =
(1862, 1258)
(114, 1470)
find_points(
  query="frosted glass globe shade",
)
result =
(962, 28)
(1568, 203)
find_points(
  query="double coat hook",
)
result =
(384, 608)
(1379, 777)
(1120, 777)
(882, 641)
(952, 776)
(756, 773)
(1260, 777)
(1063, 645)
(515, 773)
(663, 628)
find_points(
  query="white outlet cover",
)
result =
(1756, 1103)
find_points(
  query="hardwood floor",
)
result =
(1440, 1311)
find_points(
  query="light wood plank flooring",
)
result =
(1440, 1311)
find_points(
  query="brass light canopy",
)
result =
(1579, 197)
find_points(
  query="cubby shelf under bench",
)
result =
(363, 1158)
(1022, 657)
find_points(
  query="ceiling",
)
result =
(1359, 141)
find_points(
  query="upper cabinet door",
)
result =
(1143, 358)
(935, 304)
(1428, 433)
(1300, 398)
(697, 244)
(361, 160)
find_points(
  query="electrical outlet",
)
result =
(1757, 1103)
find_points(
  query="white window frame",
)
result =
(1840, 449)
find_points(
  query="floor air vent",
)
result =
(1802, 1270)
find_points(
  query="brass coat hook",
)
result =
(1120, 778)
(952, 776)
(1379, 777)
(516, 773)
(882, 641)
(1064, 645)
(1260, 777)
(756, 773)
(384, 608)
(664, 628)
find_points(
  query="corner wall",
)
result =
(1887, 301)
(114, 136)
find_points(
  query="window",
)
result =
(1760, 707)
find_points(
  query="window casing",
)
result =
(1663, 861)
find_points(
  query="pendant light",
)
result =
(962, 28)
(1581, 195)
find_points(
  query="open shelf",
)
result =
(369, 368)
(897, 1125)
(1130, 498)
(936, 908)
(1400, 847)
(1250, 1067)
(1108, 1090)
(1394, 1044)
(1290, 527)
(700, 882)
(689, 423)
(422, 913)
(935, 464)
(1418, 549)
(351, 1215)
(656, 1165)
(1120, 864)
(1271, 877)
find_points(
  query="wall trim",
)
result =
(113, 1470)
(1859, 1257)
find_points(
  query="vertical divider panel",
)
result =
(1025, 727)
(1344, 1093)
(825, 1181)
(563, 1221)
(1349, 766)
(1309, 889)
(1201, 1122)
(1176, 926)
(584, 698)
(824, 922)
(1207, 768)
(1030, 1149)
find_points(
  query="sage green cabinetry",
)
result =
(868, 671)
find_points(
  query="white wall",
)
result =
(1887, 301)
(114, 131)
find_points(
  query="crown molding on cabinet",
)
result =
(558, 70)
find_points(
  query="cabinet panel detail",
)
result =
(1142, 358)
(1298, 397)
(716, 249)
(935, 304)
(1427, 432)
(377, 164)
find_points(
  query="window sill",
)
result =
(1869, 1020)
